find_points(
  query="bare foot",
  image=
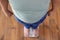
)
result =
(36, 32)
(26, 32)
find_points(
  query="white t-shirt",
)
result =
(29, 11)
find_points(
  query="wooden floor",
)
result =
(10, 29)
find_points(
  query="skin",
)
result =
(4, 6)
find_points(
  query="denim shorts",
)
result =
(33, 25)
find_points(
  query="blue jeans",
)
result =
(33, 25)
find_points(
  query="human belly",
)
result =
(30, 16)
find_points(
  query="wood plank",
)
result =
(1, 26)
(10, 29)
(53, 25)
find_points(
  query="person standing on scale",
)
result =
(30, 13)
